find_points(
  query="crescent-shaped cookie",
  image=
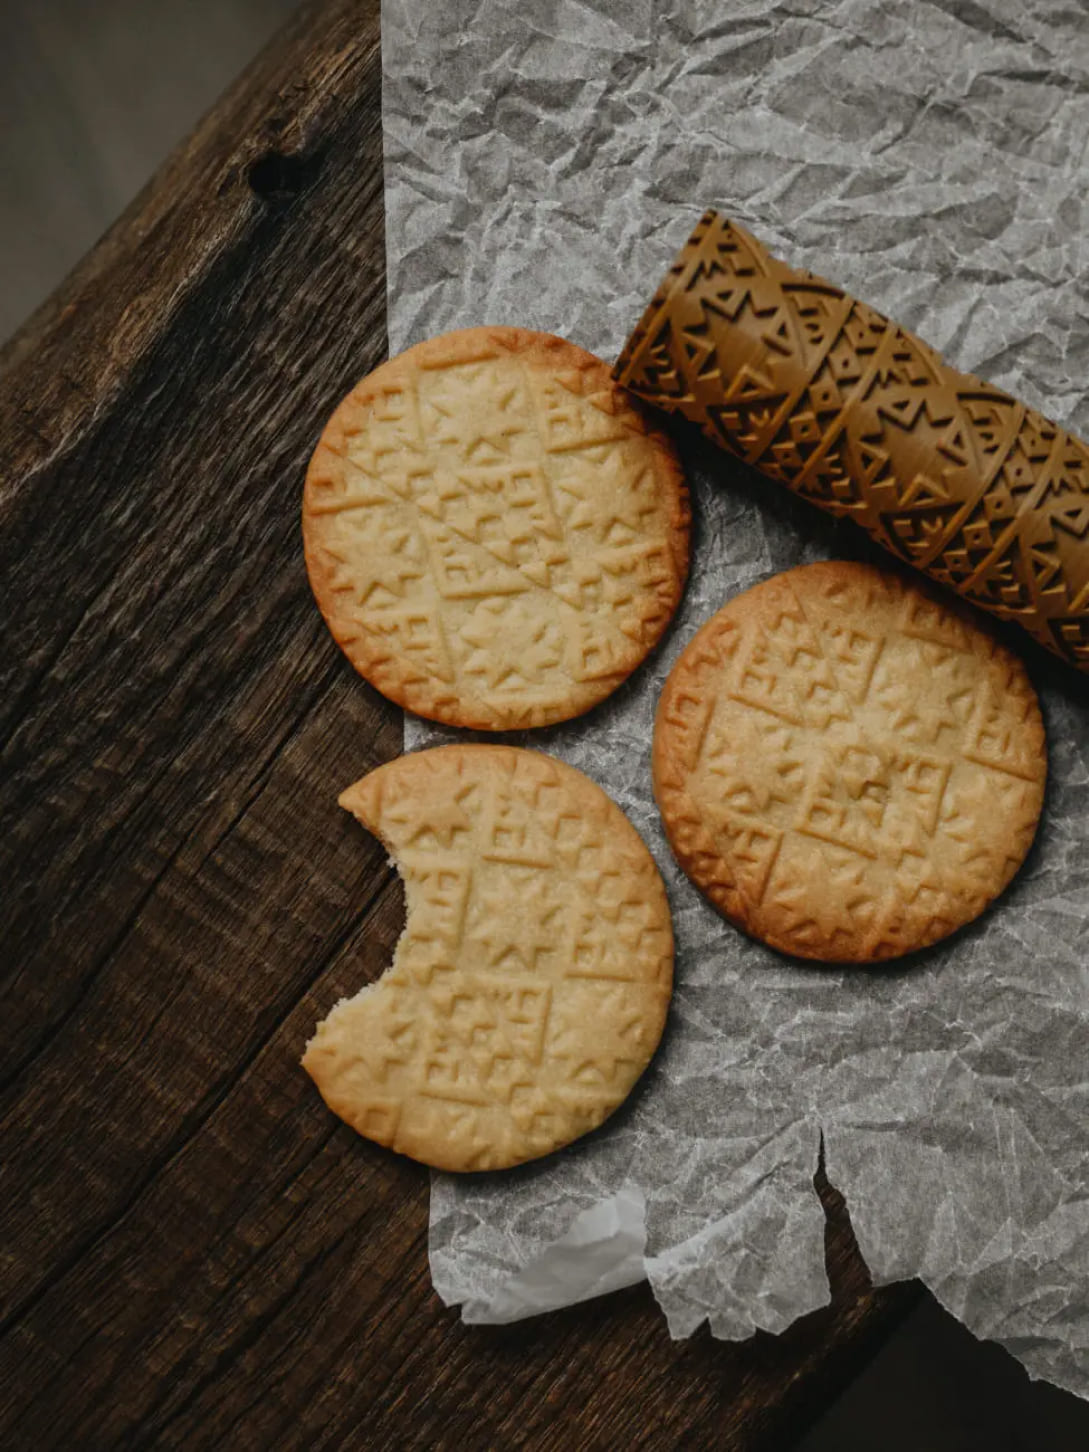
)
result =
(530, 987)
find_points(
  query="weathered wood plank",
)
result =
(192, 1253)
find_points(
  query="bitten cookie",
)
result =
(493, 531)
(530, 987)
(848, 767)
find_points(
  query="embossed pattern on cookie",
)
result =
(848, 768)
(494, 534)
(530, 987)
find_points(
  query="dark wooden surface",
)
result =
(193, 1252)
(932, 1387)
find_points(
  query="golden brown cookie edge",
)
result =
(665, 767)
(355, 799)
(547, 350)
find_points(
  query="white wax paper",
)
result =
(545, 160)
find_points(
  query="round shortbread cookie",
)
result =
(847, 766)
(529, 989)
(495, 534)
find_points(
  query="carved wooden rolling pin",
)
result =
(856, 414)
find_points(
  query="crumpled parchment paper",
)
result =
(544, 162)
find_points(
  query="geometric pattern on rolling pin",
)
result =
(856, 414)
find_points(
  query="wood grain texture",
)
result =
(193, 1253)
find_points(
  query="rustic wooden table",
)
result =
(194, 1252)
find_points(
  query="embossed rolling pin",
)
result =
(859, 416)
